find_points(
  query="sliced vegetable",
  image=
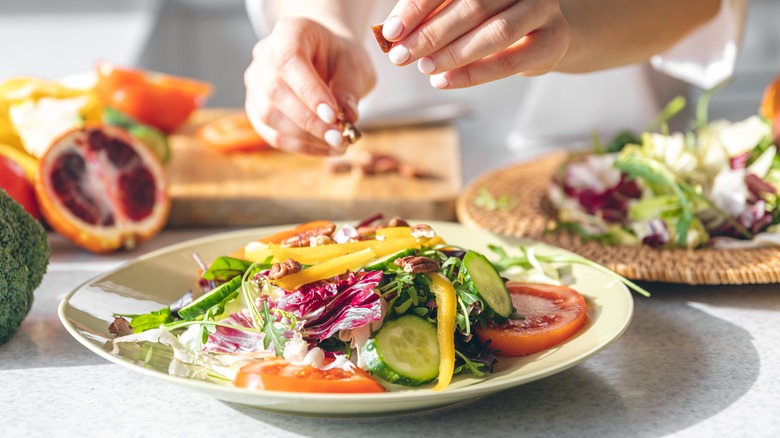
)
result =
(156, 99)
(381, 263)
(483, 279)
(210, 299)
(405, 351)
(280, 375)
(331, 268)
(286, 234)
(446, 312)
(549, 315)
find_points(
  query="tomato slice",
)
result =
(231, 133)
(15, 181)
(156, 99)
(280, 375)
(551, 314)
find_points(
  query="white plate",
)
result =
(156, 279)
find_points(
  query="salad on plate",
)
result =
(378, 306)
(713, 186)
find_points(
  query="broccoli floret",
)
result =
(24, 256)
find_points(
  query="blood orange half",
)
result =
(102, 189)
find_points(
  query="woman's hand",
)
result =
(304, 80)
(469, 42)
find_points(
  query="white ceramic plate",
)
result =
(155, 280)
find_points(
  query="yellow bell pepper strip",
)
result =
(257, 252)
(285, 234)
(446, 309)
(328, 269)
(393, 232)
(311, 255)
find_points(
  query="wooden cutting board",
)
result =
(271, 187)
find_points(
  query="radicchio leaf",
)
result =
(230, 340)
(348, 302)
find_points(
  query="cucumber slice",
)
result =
(405, 351)
(483, 278)
(209, 299)
(381, 263)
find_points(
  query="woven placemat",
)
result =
(531, 217)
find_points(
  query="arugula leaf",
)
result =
(527, 260)
(486, 200)
(224, 268)
(272, 332)
(474, 367)
(151, 320)
(656, 173)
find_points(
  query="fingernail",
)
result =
(392, 28)
(426, 65)
(399, 54)
(326, 113)
(334, 138)
(439, 81)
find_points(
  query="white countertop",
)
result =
(695, 362)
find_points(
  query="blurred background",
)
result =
(212, 40)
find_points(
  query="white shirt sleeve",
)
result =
(708, 56)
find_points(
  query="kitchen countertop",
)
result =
(695, 361)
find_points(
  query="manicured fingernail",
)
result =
(399, 54)
(392, 28)
(326, 113)
(426, 65)
(334, 138)
(439, 81)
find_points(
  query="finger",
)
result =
(492, 35)
(407, 15)
(295, 62)
(533, 55)
(446, 26)
(287, 143)
(275, 95)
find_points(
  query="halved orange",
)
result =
(102, 189)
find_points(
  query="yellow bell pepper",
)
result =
(18, 89)
(311, 255)
(446, 309)
(393, 232)
(327, 269)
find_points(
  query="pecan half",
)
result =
(397, 222)
(120, 327)
(304, 238)
(283, 269)
(423, 230)
(417, 264)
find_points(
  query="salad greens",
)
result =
(365, 317)
(710, 186)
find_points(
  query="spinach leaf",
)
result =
(224, 268)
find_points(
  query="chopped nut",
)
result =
(120, 327)
(384, 44)
(417, 264)
(423, 230)
(397, 222)
(287, 267)
(304, 238)
(320, 240)
(350, 132)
